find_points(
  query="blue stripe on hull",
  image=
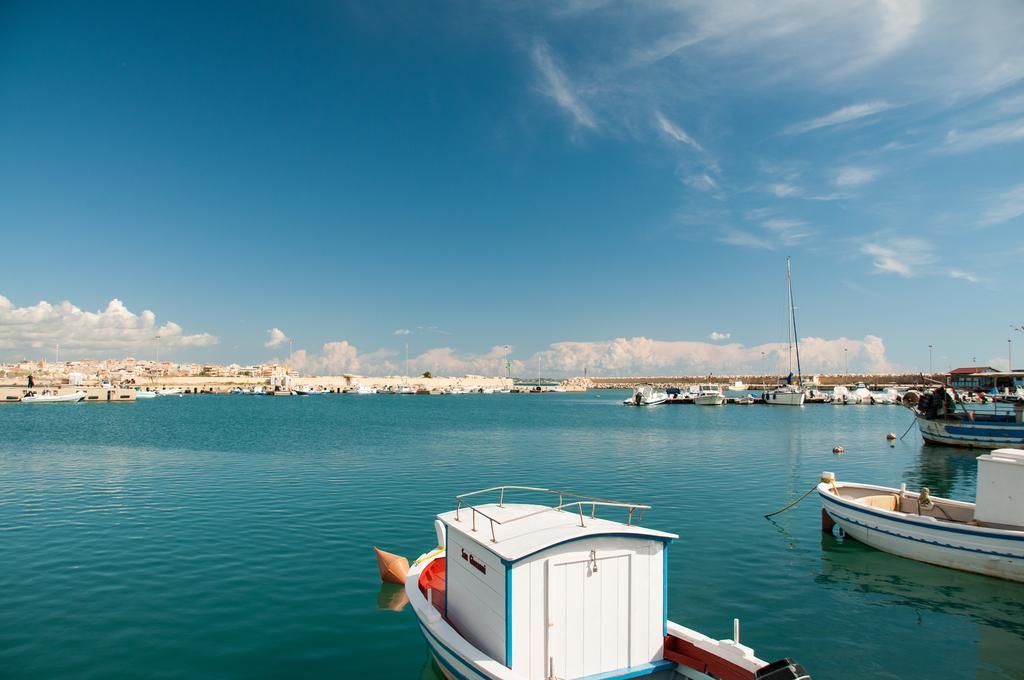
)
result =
(977, 435)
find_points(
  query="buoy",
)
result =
(891, 436)
(838, 449)
(393, 568)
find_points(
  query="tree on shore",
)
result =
(426, 374)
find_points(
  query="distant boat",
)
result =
(738, 386)
(49, 397)
(170, 392)
(145, 394)
(789, 394)
(940, 421)
(645, 395)
(359, 388)
(745, 400)
(308, 391)
(709, 395)
(985, 537)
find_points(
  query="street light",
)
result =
(929, 359)
(846, 362)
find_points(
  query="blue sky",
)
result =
(610, 185)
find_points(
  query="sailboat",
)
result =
(789, 394)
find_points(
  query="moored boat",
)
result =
(942, 418)
(985, 537)
(645, 395)
(789, 394)
(518, 591)
(145, 394)
(50, 397)
(709, 395)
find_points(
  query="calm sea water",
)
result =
(217, 536)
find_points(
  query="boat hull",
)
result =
(779, 398)
(978, 435)
(946, 544)
(709, 400)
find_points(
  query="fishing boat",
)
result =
(645, 395)
(943, 418)
(145, 394)
(545, 590)
(745, 400)
(789, 394)
(51, 397)
(709, 395)
(985, 537)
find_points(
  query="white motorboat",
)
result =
(51, 397)
(145, 394)
(538, 591)
(841, 396)
(738, 386)
(308, 391)
(360, 388)
(889, 396)
(645, 395)
(709, 395)
(789, 394)
(986, 537)
(170, 392)
(745, 400)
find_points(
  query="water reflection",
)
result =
(949, 471)
(989, 602)
(392, 597)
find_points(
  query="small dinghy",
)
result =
(49, 397)
(552, 590)
(986, 537)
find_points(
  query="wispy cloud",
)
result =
(970, 140)
(851, 176)
(746, 239)
(784, 190)
(902, 256)
(556, 84)
(701, 182)
(840, 116)
(966, 276)
(403, 331)
(1005, 206)
(788, 231)
(675, 132)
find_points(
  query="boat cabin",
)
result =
(568, 589)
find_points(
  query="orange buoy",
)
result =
(393, 568)
(838, 450)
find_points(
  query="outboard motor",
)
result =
(783, 669)
(637, 398)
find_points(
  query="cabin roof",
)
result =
(971, 369)
(521, 533)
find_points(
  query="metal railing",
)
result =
(579, 501)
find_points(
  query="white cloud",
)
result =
(644, 356)
(275, 338)
(1005, 206)
(113, 329)
(675, 132)
(558, 86)
(966, 276)
(844, 115)
(978, 138)
(716, 335)
(403, 331)
(853, 176)
(902, 256)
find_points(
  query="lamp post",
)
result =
(929, 359)
(1009, 355)
(764, 376)
(846, 362)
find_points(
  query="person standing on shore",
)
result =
(31, 381)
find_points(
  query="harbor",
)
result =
(247, 554)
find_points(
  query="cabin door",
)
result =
(588, 615)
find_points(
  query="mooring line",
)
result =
(809, 492)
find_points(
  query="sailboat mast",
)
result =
(789, 318)
(792, 315)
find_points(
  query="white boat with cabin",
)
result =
(645, 395)
(985, 537)
(520, 591)
(709, 395)
(52, 397)
(145, 394)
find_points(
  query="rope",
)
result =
(912, 422)
(809, 492)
